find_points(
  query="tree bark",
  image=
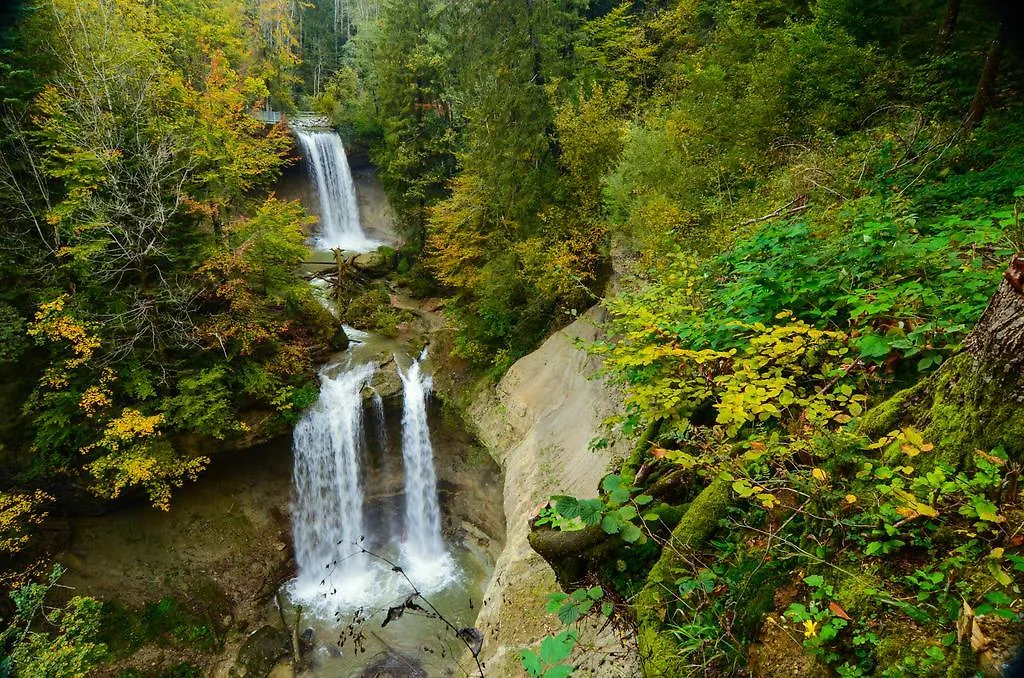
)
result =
(986, 91)
(572, 554)
(997, 341)
(948, 27)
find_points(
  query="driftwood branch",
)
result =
(783, 211)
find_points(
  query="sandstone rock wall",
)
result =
(538, 422)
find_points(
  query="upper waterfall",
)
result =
(340, 226)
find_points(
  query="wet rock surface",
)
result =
(394, 665)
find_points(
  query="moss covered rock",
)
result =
(659, 650)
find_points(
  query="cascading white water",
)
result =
(327, 517)
(328, 525)
(382, 424)
(339, 213)
(424, 551)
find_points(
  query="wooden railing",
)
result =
(299, 118)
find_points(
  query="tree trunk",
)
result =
(538, 73)
(948, 27)
(997, 341)
(986, 91)
(573, 554)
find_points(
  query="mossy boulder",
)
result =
(376, 264)
(371, 310)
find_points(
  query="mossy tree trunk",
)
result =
(997, 341)
(976, 399)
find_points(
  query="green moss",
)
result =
(971, 410)
(372, 311)
(889, 414)
(965, 662)
(659, 651)
(959, 409)
(901, 653)
(165, 623)
(857, 594)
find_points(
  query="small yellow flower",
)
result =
(810, 629)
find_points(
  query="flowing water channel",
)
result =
(362, 550)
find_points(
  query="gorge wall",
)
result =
(538, 422)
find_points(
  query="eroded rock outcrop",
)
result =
(538, 422)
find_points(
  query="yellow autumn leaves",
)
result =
(51, 323)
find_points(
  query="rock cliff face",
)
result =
(537, 423)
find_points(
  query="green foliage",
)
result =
(910, 287)
(908, 291)
(13, 340)
(407, 61)
(156, 287)
(571, 606)
(69, 648)
(738, 361)
(202, 401)
(548, 663)
(617, 513)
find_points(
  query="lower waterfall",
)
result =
(329, 524)
(327, 516)
(423, 550)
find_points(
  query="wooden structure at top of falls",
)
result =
(299, 118)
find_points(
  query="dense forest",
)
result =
(797, 214)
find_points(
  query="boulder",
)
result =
(385, 381)
(340, 341)
(260, 652)
(376, 264)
